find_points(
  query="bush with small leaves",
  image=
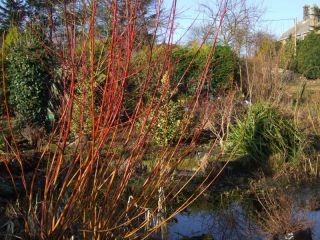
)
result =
(169, 121)
(29, 79)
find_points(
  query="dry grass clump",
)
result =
(280, 214)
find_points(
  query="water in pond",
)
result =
(229, 224)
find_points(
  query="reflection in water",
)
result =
(314, 216)
(228, 224)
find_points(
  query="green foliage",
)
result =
(190, 63)
(168, 123)
(143, 68)
(82, 121)
(223, 68)
(29, 79)
(262, 133)
(169, 117)
(11, 37)
(287, 58)
(82, 109)
(171, 121)
(265, 45)
(81, 118)
(308, 56)
(187, 65)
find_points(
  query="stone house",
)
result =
(310, 22)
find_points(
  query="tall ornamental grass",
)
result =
(263, 132)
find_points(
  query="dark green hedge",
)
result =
(223, 68)
(308, 56)
(190, 64)
(186, 66)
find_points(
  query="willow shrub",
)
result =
(262, 133)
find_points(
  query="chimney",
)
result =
(306, 13)
(314, 17)
(316, 10)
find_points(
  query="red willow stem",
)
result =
(87, 182)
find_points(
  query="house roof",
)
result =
(303, 27)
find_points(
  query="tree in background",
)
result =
(259, 79)
(237, 27)
(145, 19)
(52, 15)
(264, 44)
(41, 12)
(12, 13)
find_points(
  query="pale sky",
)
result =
(275, 10)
